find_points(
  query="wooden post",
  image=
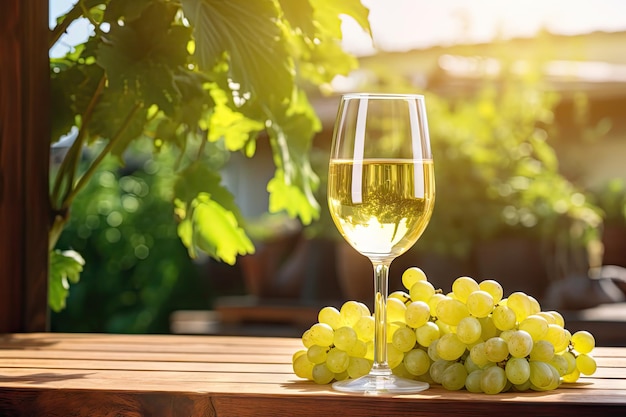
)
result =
(24, 161)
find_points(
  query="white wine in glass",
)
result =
(381, 193)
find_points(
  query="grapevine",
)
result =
(470, 338)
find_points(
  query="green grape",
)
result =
(549, 317)
(437, 368)
(542, 377)
(306, 339)
(520, 304)
(321, 374)
(344, 338)
(558, 337)
(496, 349)
(358, 367)
(450, 348)
(394, 356)
(351, 312)
(402, 296)
(522, 387)
(583, 341)
(321, 334)
(434, 301)
(462, 287)
(396, 310)
(330, 316)
(411, 275)
(503, 317)
(586, 364)
(493, 380)
(427, 333)
(341, 376)
(558, 318)
(358, 349)
(520, 344)
(401, 371)
(517, 370)
(454, 376)
(542, 351)
(560, 363)
(443, 327)
(478, 354)
(571, 361)
(421, 291)
(432, 350)
(534, 305)
(370, 350)
(479, 303)
(535, 325)
(417, 314)
(391, 329)
(488, 328)
(337, 360)
(417, 362)
(364, 328)
(572, 376)
(468, 330)
(506, 334)
(492, 287)
(404, 339)
(469, 364)
(303, 367)
(472, 382)
(451, 311)
(298, 353)
(317, 354)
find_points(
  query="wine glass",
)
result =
(381, 192)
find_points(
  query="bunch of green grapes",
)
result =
(470, 338)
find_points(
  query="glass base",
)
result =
(380, 385)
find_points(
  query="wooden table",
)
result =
(51, 374)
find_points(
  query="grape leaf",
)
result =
(64, 268)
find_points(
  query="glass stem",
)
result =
(381, 282)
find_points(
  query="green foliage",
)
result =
(201, 79)
(65, 268)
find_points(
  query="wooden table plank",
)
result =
(130, 375)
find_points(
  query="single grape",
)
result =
(437, 368)
(401, 371)
(450, 347)
(401, 295)
(489, 329)
(404, 339)
(462, 287)
(417, 362)
(303, 367)
(427, 333)
(517, 370)
(479, 303)
(520, 344)
(496, 349)
(321, 374)
(549, 317)
(503, 317)
(344, 338)
(341, 376)
(492, 287)
(470, 366)
(321, 334)
(358, 367)
(432, 350)
(417, 314)
(558, 337)
(396, 310)
(520, 304)
(542, 351)
(306, 339)
(493, 380)
(411, 275)
(571, 361)
(506, 334)
(351, 312)
(558, 318)
(522, 387)
(560, 363)
(337, 360)
(586, 364)
(535, 307)
(421, 291)
(298, 353)
(535, 325)
(478, 355)
(358, 349)
(434, 301)
(543, 376)
(394, 356)
(451, 311)
(364, 328)
(468, 330)
(454, 376)
(583, 341)
(572, 376)
(472, 382)
(330, 316)
(317, 354)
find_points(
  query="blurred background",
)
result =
(526, 105)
